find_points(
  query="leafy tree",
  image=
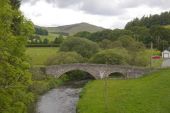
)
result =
(84, 47)
(143, 58)
(159, 35)
(40, 31)
(141, 34)
(130, 44)
(112, 35)
(114, 56)
(14, 75)
(59, 40)
(149, 21)
(83, 34)
(64, 58)
(45, 41)
(106, 44)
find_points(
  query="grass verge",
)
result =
(149, 94)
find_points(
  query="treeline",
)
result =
(158, 36)
(149, 21)
(124, 50)
(38, 41)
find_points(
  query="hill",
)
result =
(74, 28)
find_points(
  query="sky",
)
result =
(105, 13)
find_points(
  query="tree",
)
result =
(143, 58)
(149, 21)
(59, 40)
(112, 35)
(141, 34)
(14, 75)
(131, 45)
(64, 58)
(106, 44)
(84, 47)
(45, 41)
(114, 56)
(83, 34)
(40, 31)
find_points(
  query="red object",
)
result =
(156, 57)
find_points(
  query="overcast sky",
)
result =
(106, 13)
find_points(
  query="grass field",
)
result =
(149, 94)
(38, 55)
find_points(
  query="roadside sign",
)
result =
(156, 57)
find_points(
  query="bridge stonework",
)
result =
(98, 71)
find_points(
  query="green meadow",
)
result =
(149, 94)
(38, 55)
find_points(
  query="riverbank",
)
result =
(149, 94)
(50, 92)
(62, 99)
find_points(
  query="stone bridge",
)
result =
(98, 71)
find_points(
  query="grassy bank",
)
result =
(41, 84)
(149, 94)
(38, 55)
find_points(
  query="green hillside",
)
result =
(74, 28)
(150, 94)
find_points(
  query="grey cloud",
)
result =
(89, 6)
(104, 7)
(150, 3)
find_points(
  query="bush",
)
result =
(111, 56)
(143, 58)
(64, 58)
(84, 47)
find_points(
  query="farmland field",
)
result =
(149, 94)
(38, 55)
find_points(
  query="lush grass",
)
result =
(150, 94)
(38, 55)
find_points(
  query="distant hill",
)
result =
(74, 28)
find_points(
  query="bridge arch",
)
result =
(98, 71)
(72, 70)
(117, 75)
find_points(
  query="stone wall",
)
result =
(98, 71)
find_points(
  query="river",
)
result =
(62, 99)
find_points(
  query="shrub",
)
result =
(111, 56)
(84, 47)
(64, 58)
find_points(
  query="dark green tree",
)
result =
(45, 41)
(114, 56)
(14, 75)
(59, 40)
(84, 47)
